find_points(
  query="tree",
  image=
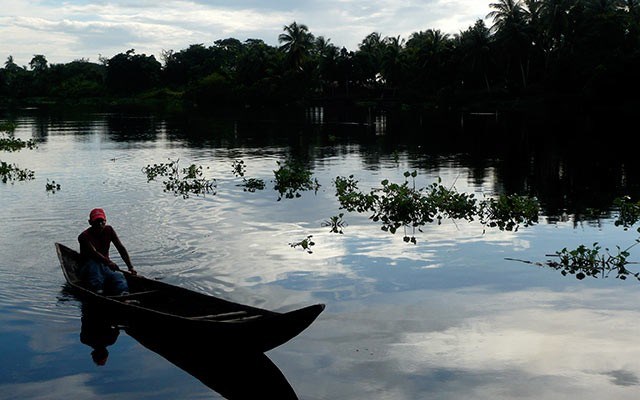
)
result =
(190, 65)
(129, 73)
(510, 28)
(258, 70)
(429, 54)
(475, 47)
(297, 42)
(15, 81)
(39, 63)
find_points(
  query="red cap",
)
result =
(97, 213)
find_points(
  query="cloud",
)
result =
(84, 29)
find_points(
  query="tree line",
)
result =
(577, 49)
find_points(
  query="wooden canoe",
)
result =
(182, 314)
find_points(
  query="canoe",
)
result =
(178, 313)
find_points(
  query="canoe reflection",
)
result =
(234, 376)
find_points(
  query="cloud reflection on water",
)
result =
(554, 341)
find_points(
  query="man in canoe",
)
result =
(98, 271)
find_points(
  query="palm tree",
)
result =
(368, 58)
(510, 27)
(10, 65)
(392, 59)
(325, 56)
(475, 46)
(506, 14)
(297, 42)
(429, 54)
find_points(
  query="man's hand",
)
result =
(133, 271)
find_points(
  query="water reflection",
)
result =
(380, 124)
(315, 115)
(98, 333)
(233, 375)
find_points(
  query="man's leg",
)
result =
(116, 281)
(92, 274)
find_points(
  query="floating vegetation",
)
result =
(629, 212)
(403, 205)
(181, 181)
(336, 224)
(305, 244)
(52, 186)
(595, 261)
(252, 184)
(292, 177)
(11, 172)
(11, 144)
(238, 168)
(508, 213)
(249, 185)
(584, 261)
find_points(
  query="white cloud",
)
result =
(69, 30)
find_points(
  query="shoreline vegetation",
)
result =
(529, 54)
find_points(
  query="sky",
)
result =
(64, 31)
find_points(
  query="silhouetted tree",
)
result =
(296, 42)
(129, 73)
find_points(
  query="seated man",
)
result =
(98, 271)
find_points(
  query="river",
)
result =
(449, 317)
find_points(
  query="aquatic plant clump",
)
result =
(181, 181)
(594, 261)
(336, 223)
(628, 212)
(305, 244)
(403, 205)
(52, 186)
(509, 212)
(292, 177)
(584, 261)
(249, 185)
(11, 172)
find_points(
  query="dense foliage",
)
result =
(530, 47)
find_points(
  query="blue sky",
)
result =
(68, 30)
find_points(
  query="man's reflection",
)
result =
(235, 375)
(98, 333)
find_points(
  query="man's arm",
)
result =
(87, 248)
(123, 252)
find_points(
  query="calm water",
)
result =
(447, 318)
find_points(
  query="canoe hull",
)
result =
(178, 313)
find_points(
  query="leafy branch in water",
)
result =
(402, 205)
(593, 261)
(584, 261)
(181, 181)
(52, 186)
(628, 212)
(305, 243)
(336, 223)
(11, 172)
(509, 212)
(251, 184)
(292, 177)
